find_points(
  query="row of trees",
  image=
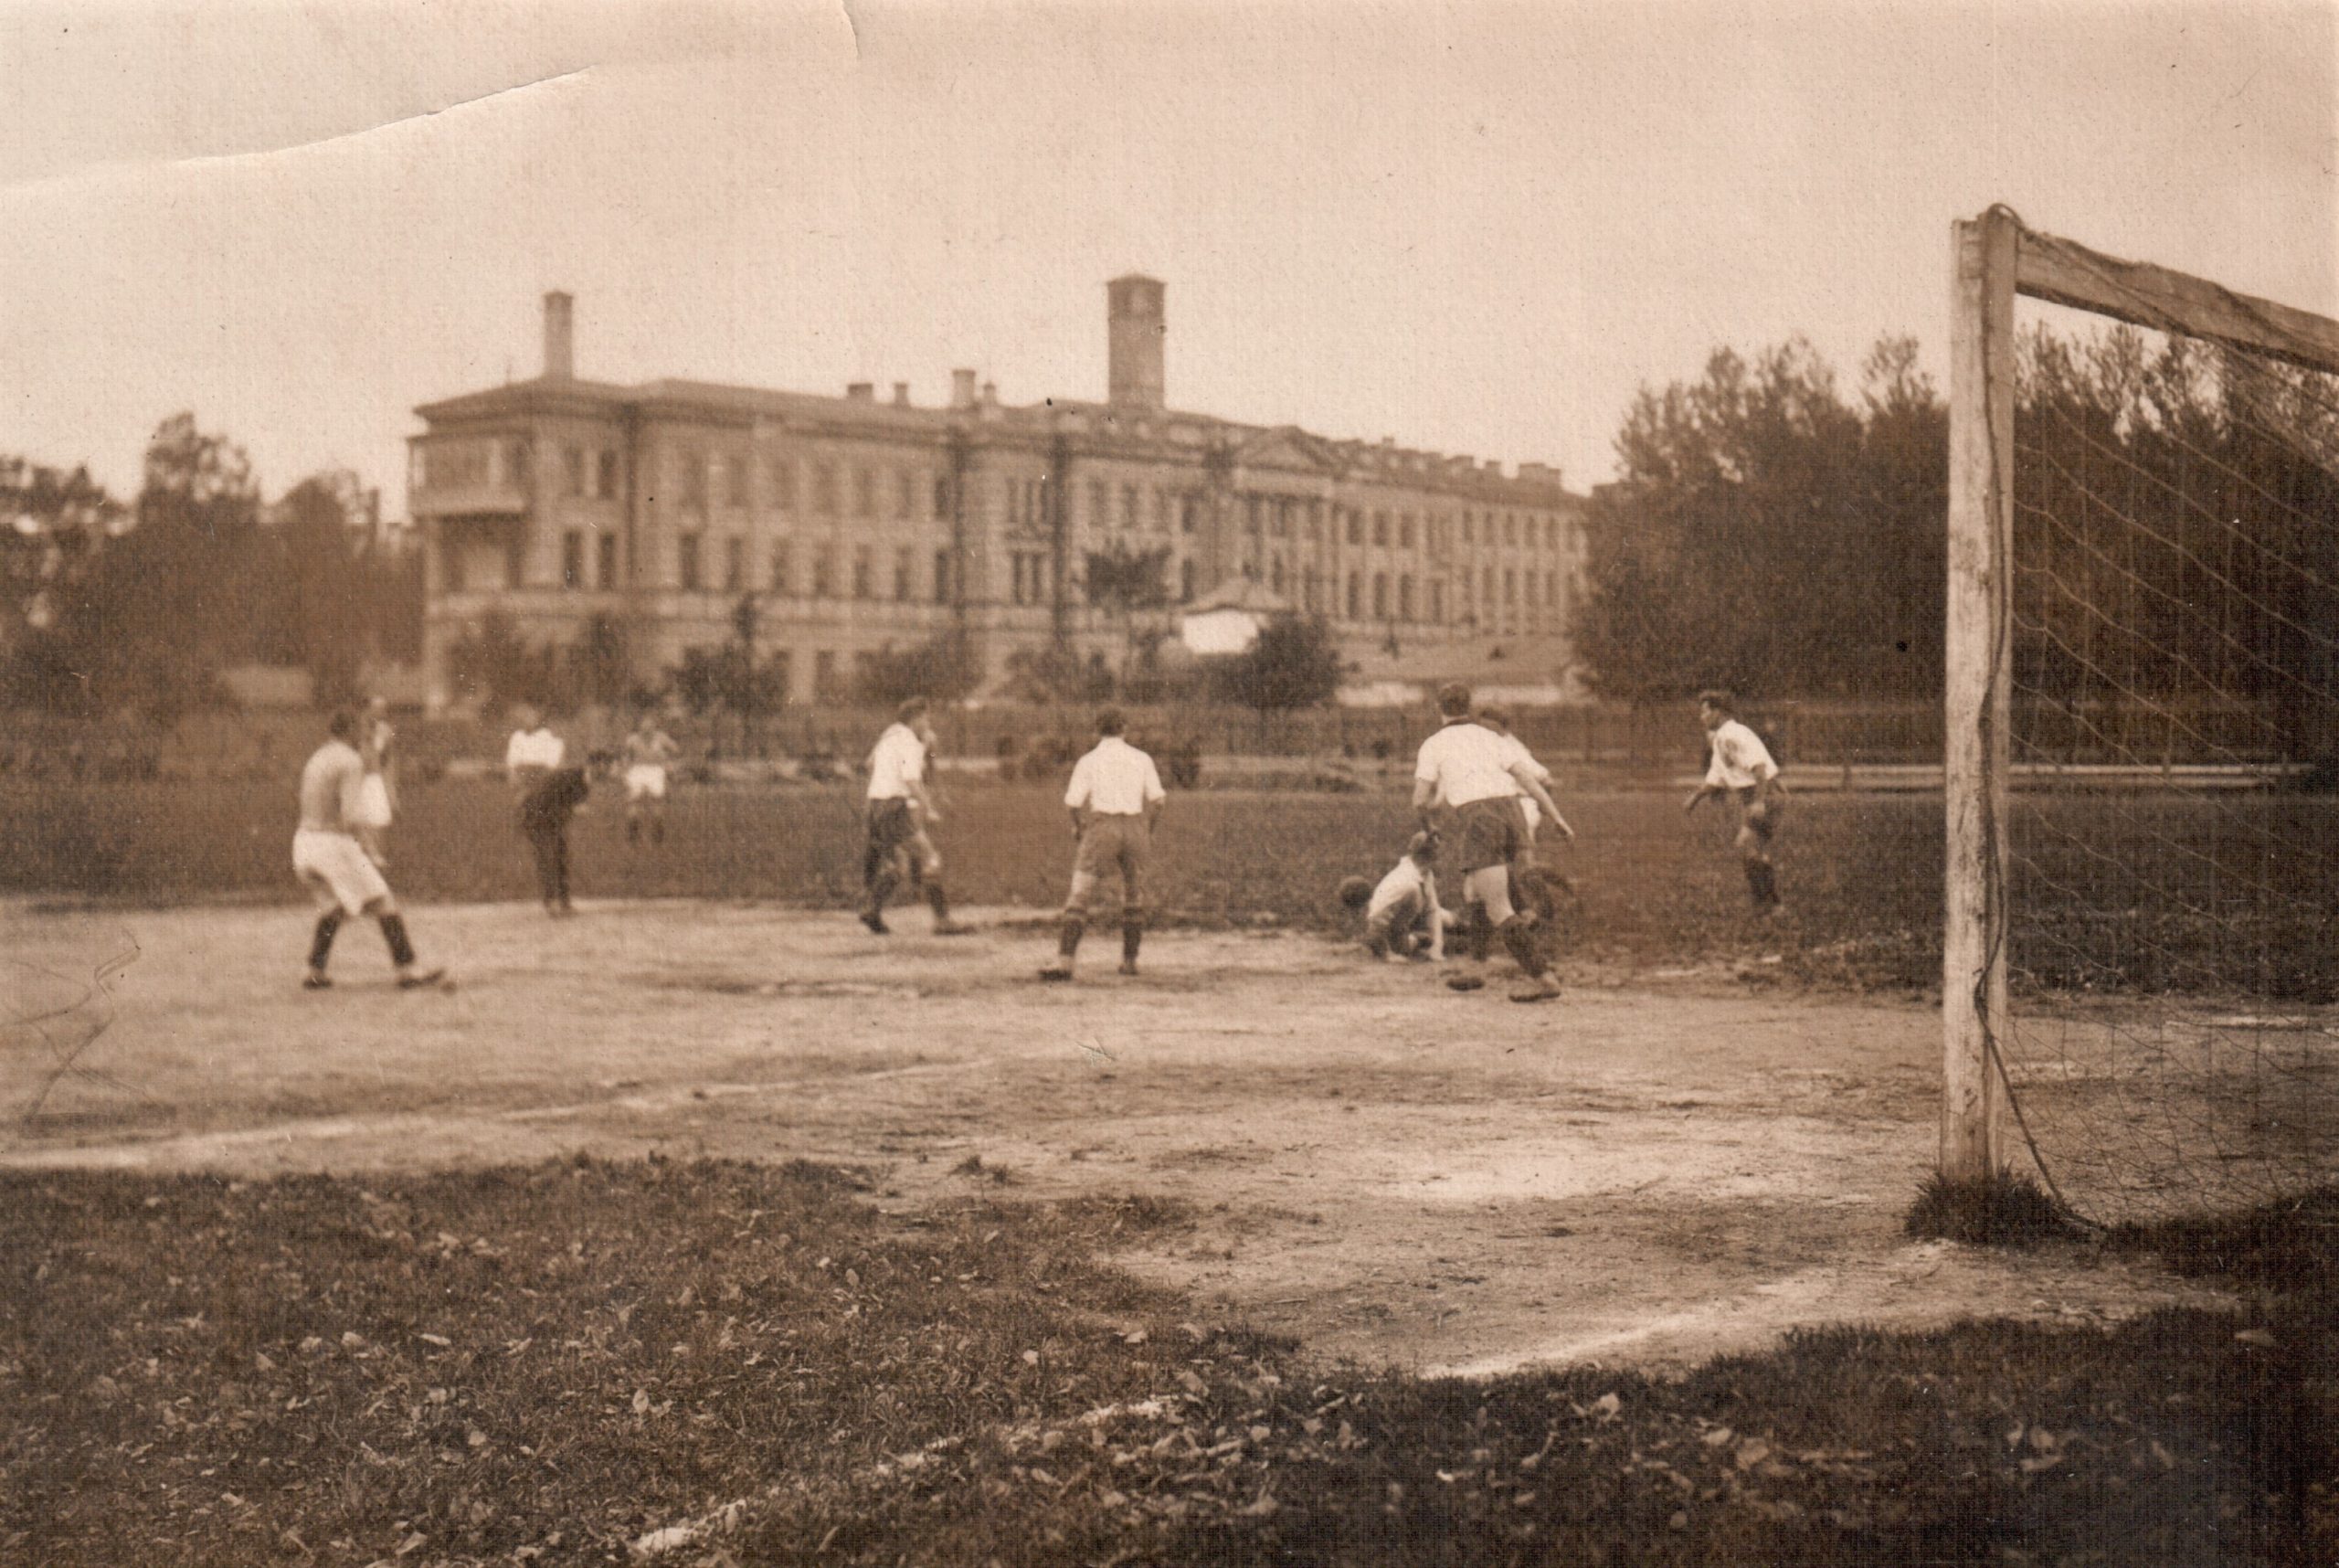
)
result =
(107, 607)
(2173, 504)
(1766, 533)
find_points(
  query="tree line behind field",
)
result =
(2171, 534)
(109, 607)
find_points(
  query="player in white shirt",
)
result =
(1115, 797)
(1533, 884)
(899, 812)
(1466, 768)
(328, 858)
(1743, 769)
(650, 753)
(1403, 918)
(533, 762)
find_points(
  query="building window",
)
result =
(572, 559)
(942, 576)
(779, 478)
(734, 564)
(1380, 527)
(1100, 504)
(1250, 515)
(687, 560)
(783, 573)
(941, 498)
(1381, 596)
(1509, 587)
(1405, 596)
(824, 572)
(1314, 522)
(864, 574)
(903, 571)
(1510, 528)
(572, 471)
(904, 495)
(1275, 574)
(1437, 603)
(1188, 509)
(1487, 594)
(1406, 530)
(692, 465)
(1469, 527)
(605, 477)
(515, 463)
(450, 565)
(1355, 593)
(735, 478)
(864, 492)
(1128, 506)
(605, 564)
(824, 488)
(1160, 511)
(781, 679)
(1186, 582)
(1356, 526)
(824, 677)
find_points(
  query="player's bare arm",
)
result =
(1530, 780)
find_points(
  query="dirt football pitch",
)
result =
(1647, 1173)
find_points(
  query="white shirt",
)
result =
(896, 764)
(1116, 779)
(1466, 761)
(534, 748)
(1740, 759)
(329, 782)
(1404, 879)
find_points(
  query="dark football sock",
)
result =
(394, 933)
(1132, 937)
(939, 902)
(1762, 883)
(1068, 943)
(1518, 939)
(320, 945)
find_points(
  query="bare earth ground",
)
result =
(1648, 1172)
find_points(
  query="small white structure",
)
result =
(1227, 618)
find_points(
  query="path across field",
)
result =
(1381, 1167)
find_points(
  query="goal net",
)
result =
(2142, 940)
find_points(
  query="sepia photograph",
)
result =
(1086, 785)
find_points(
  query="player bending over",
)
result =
(1403, 918)
(328, 857)
(1115, 797)
(1466, 768)
(1741, 768)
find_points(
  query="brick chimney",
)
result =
(962, 389)
(1134, 327)
(862, 391)
(560, 336)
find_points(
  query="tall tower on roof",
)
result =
(1134, 319)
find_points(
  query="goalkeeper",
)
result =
(1403, 918)
(1742, 769)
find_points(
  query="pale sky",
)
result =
(1475, 228)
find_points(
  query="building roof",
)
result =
(1264, 446)
(1241, 593)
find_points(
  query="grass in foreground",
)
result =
(720, 1363)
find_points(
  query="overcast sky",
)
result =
(1475, 228)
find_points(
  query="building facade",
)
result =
(859, 523)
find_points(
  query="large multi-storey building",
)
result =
(859, 523)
